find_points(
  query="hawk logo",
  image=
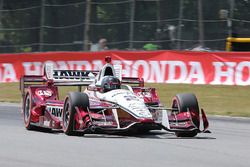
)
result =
(56, 111)
(68, 74)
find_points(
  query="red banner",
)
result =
(221, 68)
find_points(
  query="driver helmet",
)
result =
(110, 83)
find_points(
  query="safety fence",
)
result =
(60, 25)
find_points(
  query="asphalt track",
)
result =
(227, 146)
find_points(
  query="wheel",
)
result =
(72, 100)
(27, 105)
(187, 102)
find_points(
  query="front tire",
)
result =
(27, 106)
(184, 103)
(72, 100)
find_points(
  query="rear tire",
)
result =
(72, 100)
(185, 102)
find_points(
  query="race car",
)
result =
(109, 103)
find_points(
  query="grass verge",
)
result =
(216, 100)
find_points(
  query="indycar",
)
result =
(106, 102)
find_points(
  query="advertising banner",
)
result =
(215, 68)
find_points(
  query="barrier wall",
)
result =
(221, 68)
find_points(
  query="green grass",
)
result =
(219, 100)
(215, 100)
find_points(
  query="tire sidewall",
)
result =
(183, 102)
(73, 99)
(67, 128)
(27, 122)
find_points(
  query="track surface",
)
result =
(227, 146)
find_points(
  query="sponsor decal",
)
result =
(131, 98)
(56, 111)
(220, 68)
(139, 109)
(66, 74)
(7, 72)
(44, 92)
(144, 94)
(118, 92)
(103, 123)
(157, 115)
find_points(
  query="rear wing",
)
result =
(69, 77)
(58, 78)
(72, 78)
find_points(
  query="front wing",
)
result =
(113, 123)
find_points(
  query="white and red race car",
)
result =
(110, 103)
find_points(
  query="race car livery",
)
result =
(106, 102)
